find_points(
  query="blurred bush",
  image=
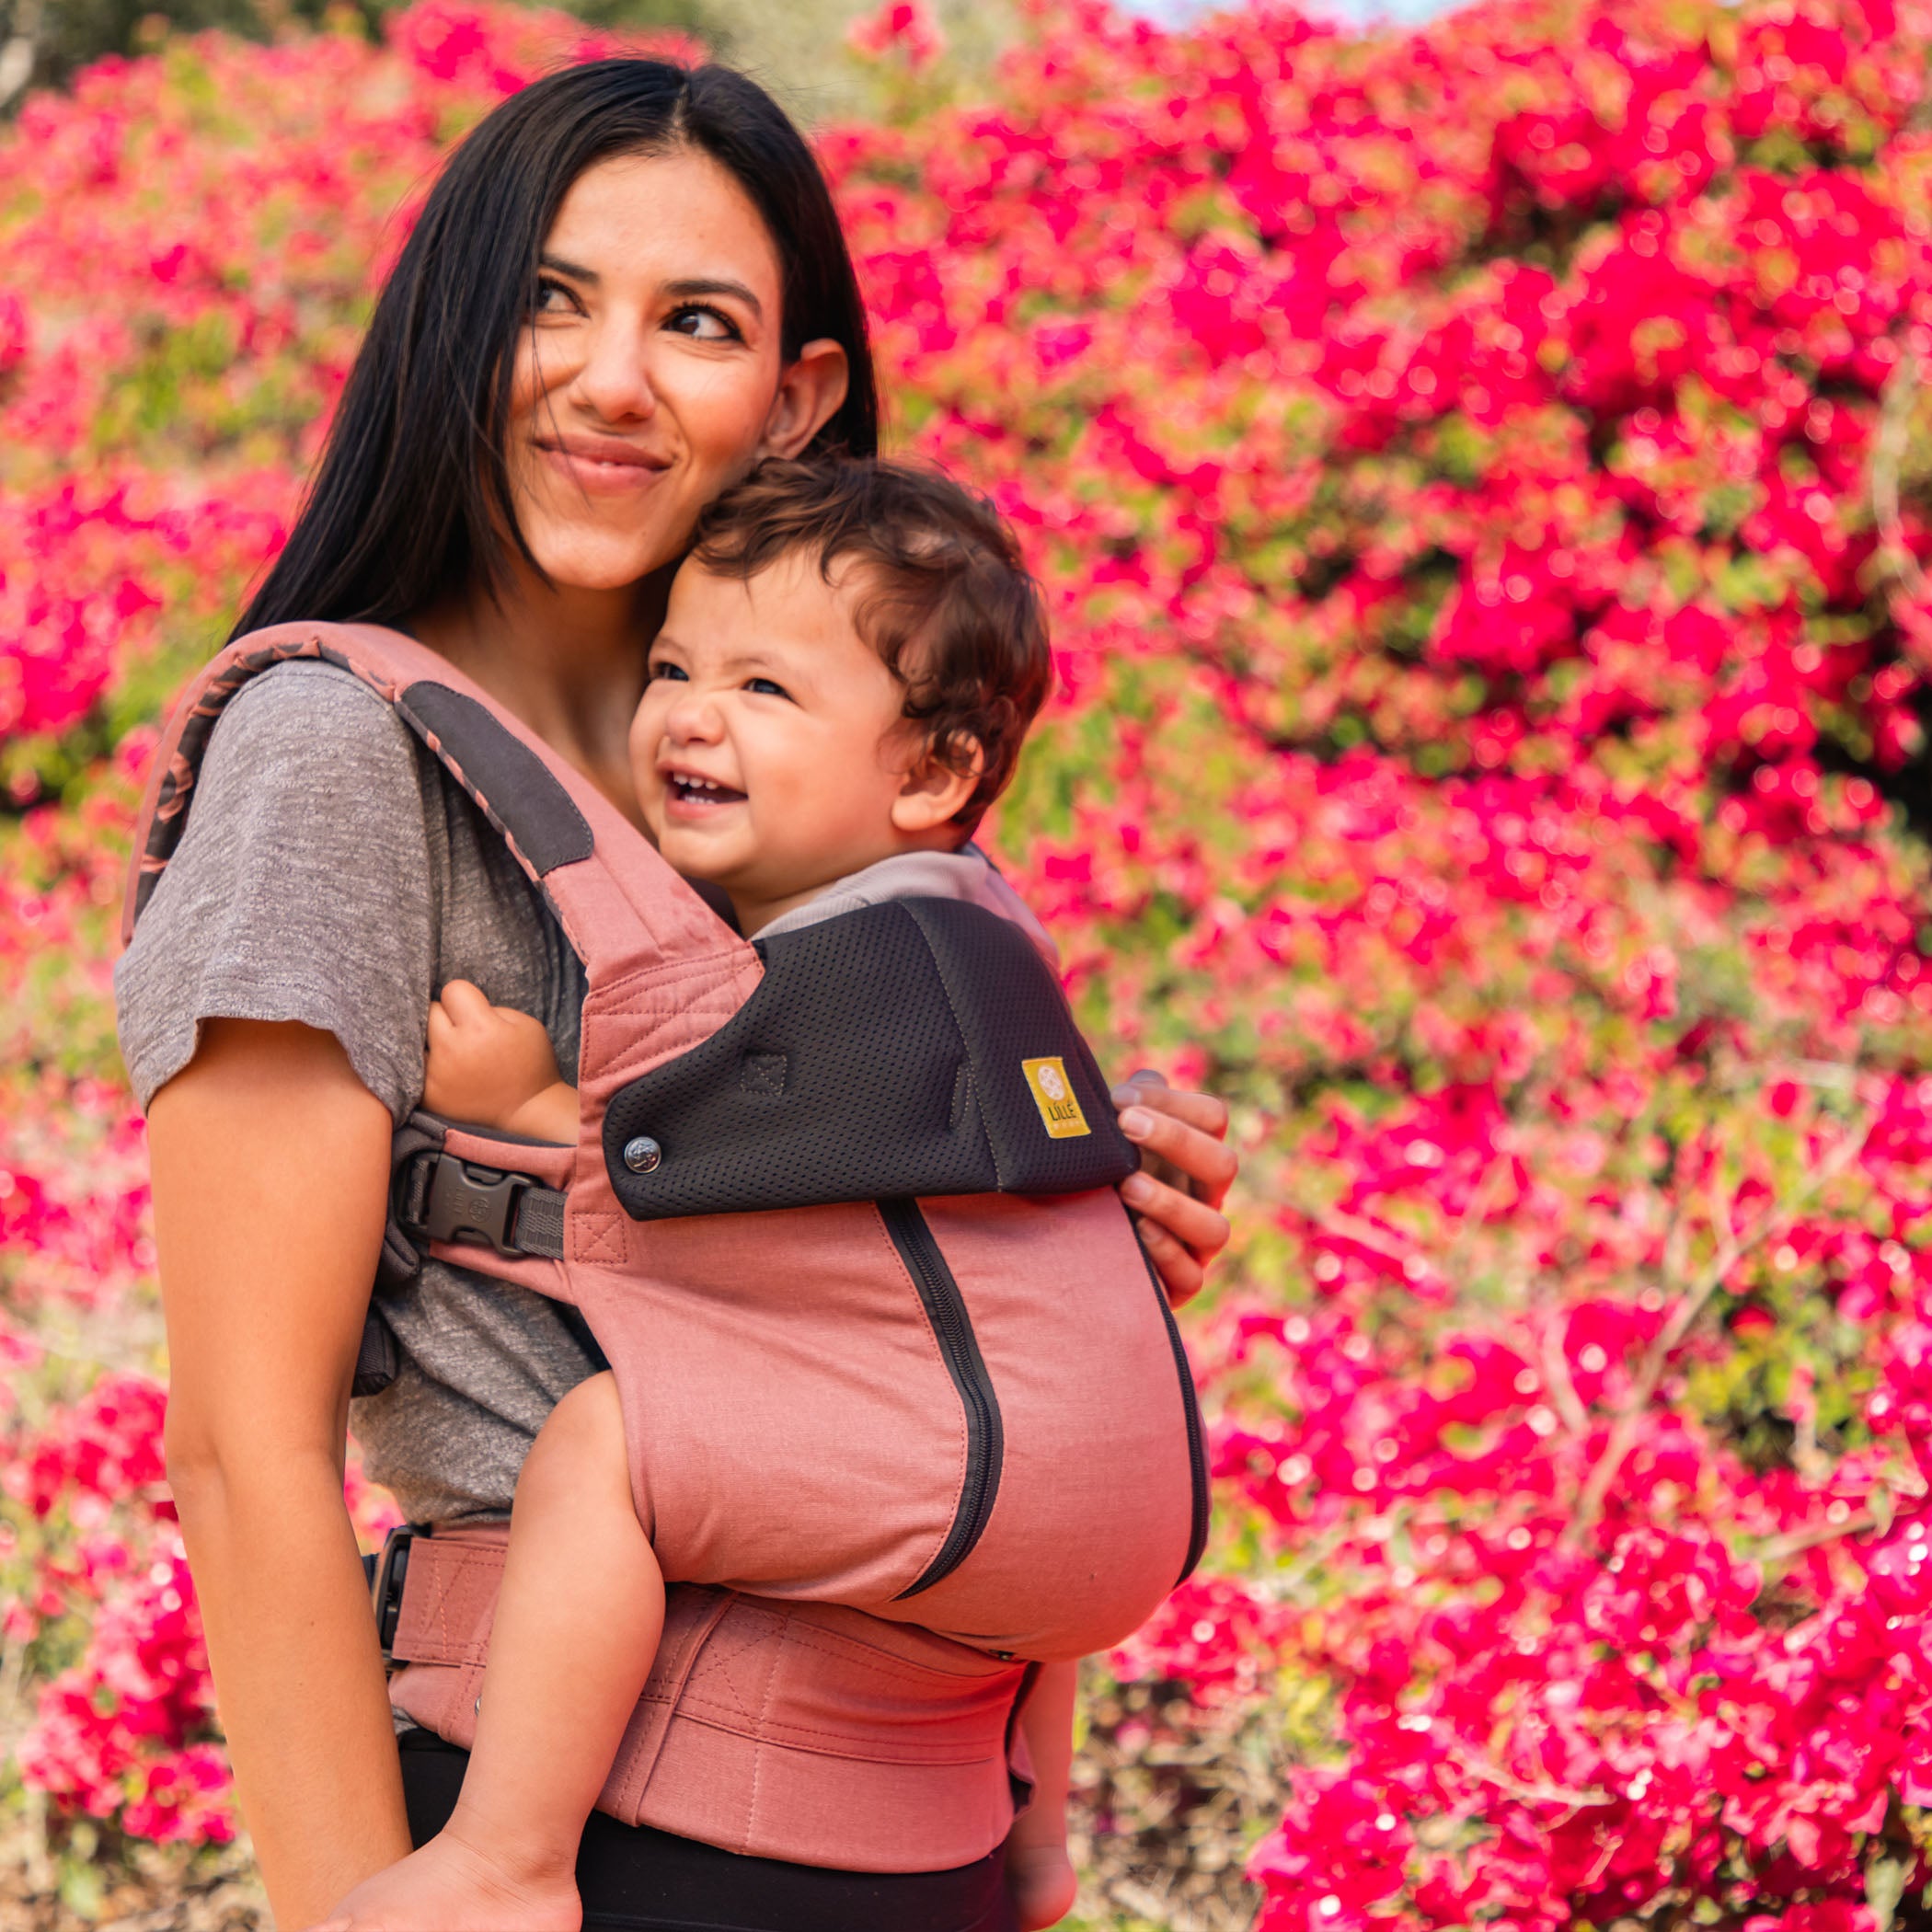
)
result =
(795, 47)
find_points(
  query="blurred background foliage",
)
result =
(797, 48)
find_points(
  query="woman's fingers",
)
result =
(1181, 1274)
(1180, 1130)
(1187, 1168)
(1148, 1088)
(1201, 1229)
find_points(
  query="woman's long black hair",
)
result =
(412, 493)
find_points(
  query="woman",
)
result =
(627, 287)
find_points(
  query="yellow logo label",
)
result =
(1053, 1095)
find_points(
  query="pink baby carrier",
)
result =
(841, 1217)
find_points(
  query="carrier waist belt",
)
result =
(803, 1731)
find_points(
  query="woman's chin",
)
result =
(602, 561)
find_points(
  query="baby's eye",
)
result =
(678, 672)
(767, 687)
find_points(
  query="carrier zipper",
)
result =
(1197, 1434)
(952, 1329)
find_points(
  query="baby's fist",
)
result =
(484, 1062)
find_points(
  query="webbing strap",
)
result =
(540, 1222)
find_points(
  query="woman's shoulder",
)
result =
(304, 710)
(301, 887)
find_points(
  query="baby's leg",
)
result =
(577, 1625)
(1038, 1869)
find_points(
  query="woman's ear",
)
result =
(811, 389)
(931, 792)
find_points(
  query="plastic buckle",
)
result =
(391, 1574)
(470, 1203)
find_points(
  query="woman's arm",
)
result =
(271, 1172)
(1187, 1168)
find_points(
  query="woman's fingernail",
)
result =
(1138, 1189)
(1136, 1123)
(1125, 1094)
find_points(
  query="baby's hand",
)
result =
(487, 1064)
(448, 1885)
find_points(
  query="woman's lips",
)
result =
(603, 467)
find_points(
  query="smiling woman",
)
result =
(654, 264)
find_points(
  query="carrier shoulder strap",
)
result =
(622, 908)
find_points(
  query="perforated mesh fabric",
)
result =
(1010, 1010)
(901, 1029)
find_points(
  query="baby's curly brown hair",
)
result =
(945, 601)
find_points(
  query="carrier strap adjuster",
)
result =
(391, 1573)
(457, 1201)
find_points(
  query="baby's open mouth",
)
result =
(687, 789)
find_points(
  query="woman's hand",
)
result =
(1186, 1171)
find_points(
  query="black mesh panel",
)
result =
(881, 1054)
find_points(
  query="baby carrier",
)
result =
(840, 1215)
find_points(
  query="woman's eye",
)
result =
(660, 672)
(767, 687)
(705, 325)
(552, 297)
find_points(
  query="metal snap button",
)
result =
(641, 1154)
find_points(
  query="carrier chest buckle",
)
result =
(477, 1203)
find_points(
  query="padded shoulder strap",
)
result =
(622, 908)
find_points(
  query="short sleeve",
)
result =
(302, 889)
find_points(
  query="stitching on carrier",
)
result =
(761, 1749)
(932, 952)
(597, 1238)
(707, 1668)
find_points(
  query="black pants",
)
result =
(635, 1880)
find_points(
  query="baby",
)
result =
(848, 663)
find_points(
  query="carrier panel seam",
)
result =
(952, 1007)
(688, 1715)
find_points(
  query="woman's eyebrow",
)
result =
(558, 266)
(711, 285)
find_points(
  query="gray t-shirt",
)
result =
(331, 873)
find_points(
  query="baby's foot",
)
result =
(1043, 1882)
(448, 1886)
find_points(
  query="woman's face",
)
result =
(651, 374)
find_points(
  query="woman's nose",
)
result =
(615, 381)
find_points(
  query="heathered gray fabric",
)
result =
(330, 873)
(967, 874)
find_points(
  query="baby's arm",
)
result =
(1038, 1867)
(493, 1066)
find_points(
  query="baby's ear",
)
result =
(934, 789)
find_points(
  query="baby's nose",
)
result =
(692, 716)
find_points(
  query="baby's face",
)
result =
(770, 743)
